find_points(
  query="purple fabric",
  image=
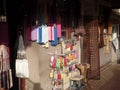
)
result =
(4, 39)
(34, 33)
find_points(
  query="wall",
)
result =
(105, 58)
(39, 66)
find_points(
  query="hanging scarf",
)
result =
(58, 63)
(39, 35)
(50, 33)
(55, 42)
(54, 62)
(34, 33)
(58, 30)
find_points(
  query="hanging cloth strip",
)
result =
(44, 34)
(65, 61)
(39, 35)
(58, 30)
(58, 63)
(34, 33)
(6, 73)
(55, 42)
(50, 33)
(54, 62)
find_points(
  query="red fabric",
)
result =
(65, 61)
(54, 63)
(59, 76)
(29, 33)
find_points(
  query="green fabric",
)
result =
(58, 63)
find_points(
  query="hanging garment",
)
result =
(50, 33)
(59, 75)
(6, 73)
(55, 42)
(22, 70)
(44, 34)
(61, 61)
(53, 59)
(65, 61)
(39, 35)
(58, 30)
(34, 33)
(58, 63)
(3, 76)
(10, 78)
(116, 43)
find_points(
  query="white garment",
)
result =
(22, 70)
(44, 34)
(116, 43)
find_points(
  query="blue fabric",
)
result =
(3, 80)
(40, 35)
(55, 42)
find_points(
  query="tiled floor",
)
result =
(110, 79)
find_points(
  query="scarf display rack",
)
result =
(62, 65)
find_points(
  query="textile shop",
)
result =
(53, 46)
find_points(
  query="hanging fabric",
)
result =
(50, 33)
(39, 35)
(53, 59)
(58, 30)
(34, 33)
(58, 63)
(55, 42)
(65, 61)
(3, 75)
(6, 72)
(44, 34)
